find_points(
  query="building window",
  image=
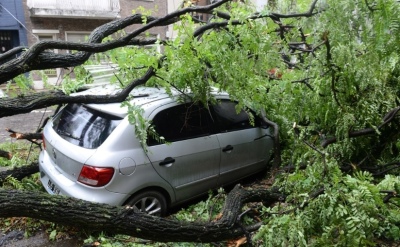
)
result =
(7, 40)
(82, 37)
(78, 37)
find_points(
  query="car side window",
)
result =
(229, 120)
(181, 122)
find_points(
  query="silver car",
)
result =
(91, 151)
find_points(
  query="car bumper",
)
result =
(56, 183)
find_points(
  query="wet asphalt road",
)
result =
(23, 123)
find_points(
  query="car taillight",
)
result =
(43, 141)
(95, 176)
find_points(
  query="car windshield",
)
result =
(83, 126)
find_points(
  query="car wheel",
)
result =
(149, 202)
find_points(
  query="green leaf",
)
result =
(53, 235)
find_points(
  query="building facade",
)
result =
(12, 25)
(74, 20)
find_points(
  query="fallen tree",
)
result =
(68, 210)
(122, 220)
(334, 97)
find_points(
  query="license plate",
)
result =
(53, 188)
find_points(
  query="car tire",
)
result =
(149, 202)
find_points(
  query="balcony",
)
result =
(83, 9)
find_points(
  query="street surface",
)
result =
(23, 123)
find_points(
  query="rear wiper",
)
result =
(63, 133)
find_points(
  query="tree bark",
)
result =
(277, 149)
(121, 220)
(24, 136)
(390, 116)
(19, 172)
(5, 154)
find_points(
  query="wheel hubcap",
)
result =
(148, 205)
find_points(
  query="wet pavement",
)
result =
(16, 238)
(23, 123)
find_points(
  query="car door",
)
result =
(189, 161)
(245, 147)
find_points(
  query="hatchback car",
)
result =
(91, 151)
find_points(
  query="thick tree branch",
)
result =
(25, 104)
(367, 131)
(24, 136)
(86, 47)
(277, 148)
(13, 52)
(5, 154)
(382, 170)
(273, 16)
(309, 13)
(19, 172)
(120, 220)
(36, 59)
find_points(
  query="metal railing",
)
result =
(87, 5)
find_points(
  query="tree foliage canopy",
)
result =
(327, 72)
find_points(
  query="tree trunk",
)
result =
(121, 220)
(5, 154)
(19, 172)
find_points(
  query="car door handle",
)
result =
(167, 162)
(227, 149)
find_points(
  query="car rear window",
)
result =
(83, 126)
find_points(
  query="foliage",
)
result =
(133, 61)
(23, 153)
(206, 210)
(143, 126)
(350, 212)
(82, 78)
(19, 86)
(104, 240)
(319, 77)
(343, 77)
